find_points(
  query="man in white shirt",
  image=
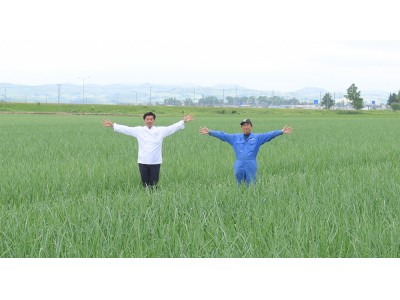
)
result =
(150, 139)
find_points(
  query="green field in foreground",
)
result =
(71, 188)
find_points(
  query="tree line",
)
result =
(394, 101)
(262, 101)
(327, 102)
(357, 102)
(239, 101)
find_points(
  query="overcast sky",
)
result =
(272, 45)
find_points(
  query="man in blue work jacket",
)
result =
(246, 146)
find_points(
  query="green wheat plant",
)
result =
(71, 188)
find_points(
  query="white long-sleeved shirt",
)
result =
(149, 140)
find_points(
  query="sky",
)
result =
(280, 45)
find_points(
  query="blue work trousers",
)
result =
(245, 170)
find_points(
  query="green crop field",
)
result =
(71, 187)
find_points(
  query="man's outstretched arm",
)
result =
(225, 137)
(166, 131)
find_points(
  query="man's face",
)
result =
(149, 121)
(246, 128)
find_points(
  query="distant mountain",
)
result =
(307, 93)
(310, 90)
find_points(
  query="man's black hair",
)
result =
(149, 114)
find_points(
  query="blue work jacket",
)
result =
(246, 149)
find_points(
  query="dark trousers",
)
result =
(150, 174)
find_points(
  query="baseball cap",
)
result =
(246, 121)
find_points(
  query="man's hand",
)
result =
(188, 118)
(203, 130)
(108, 123)
(287, 130)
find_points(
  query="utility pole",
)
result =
(83, 87)
(334, 100)
(194, 95)
(223, 96)
(59, 93)
(236, 99)
(150, 94)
